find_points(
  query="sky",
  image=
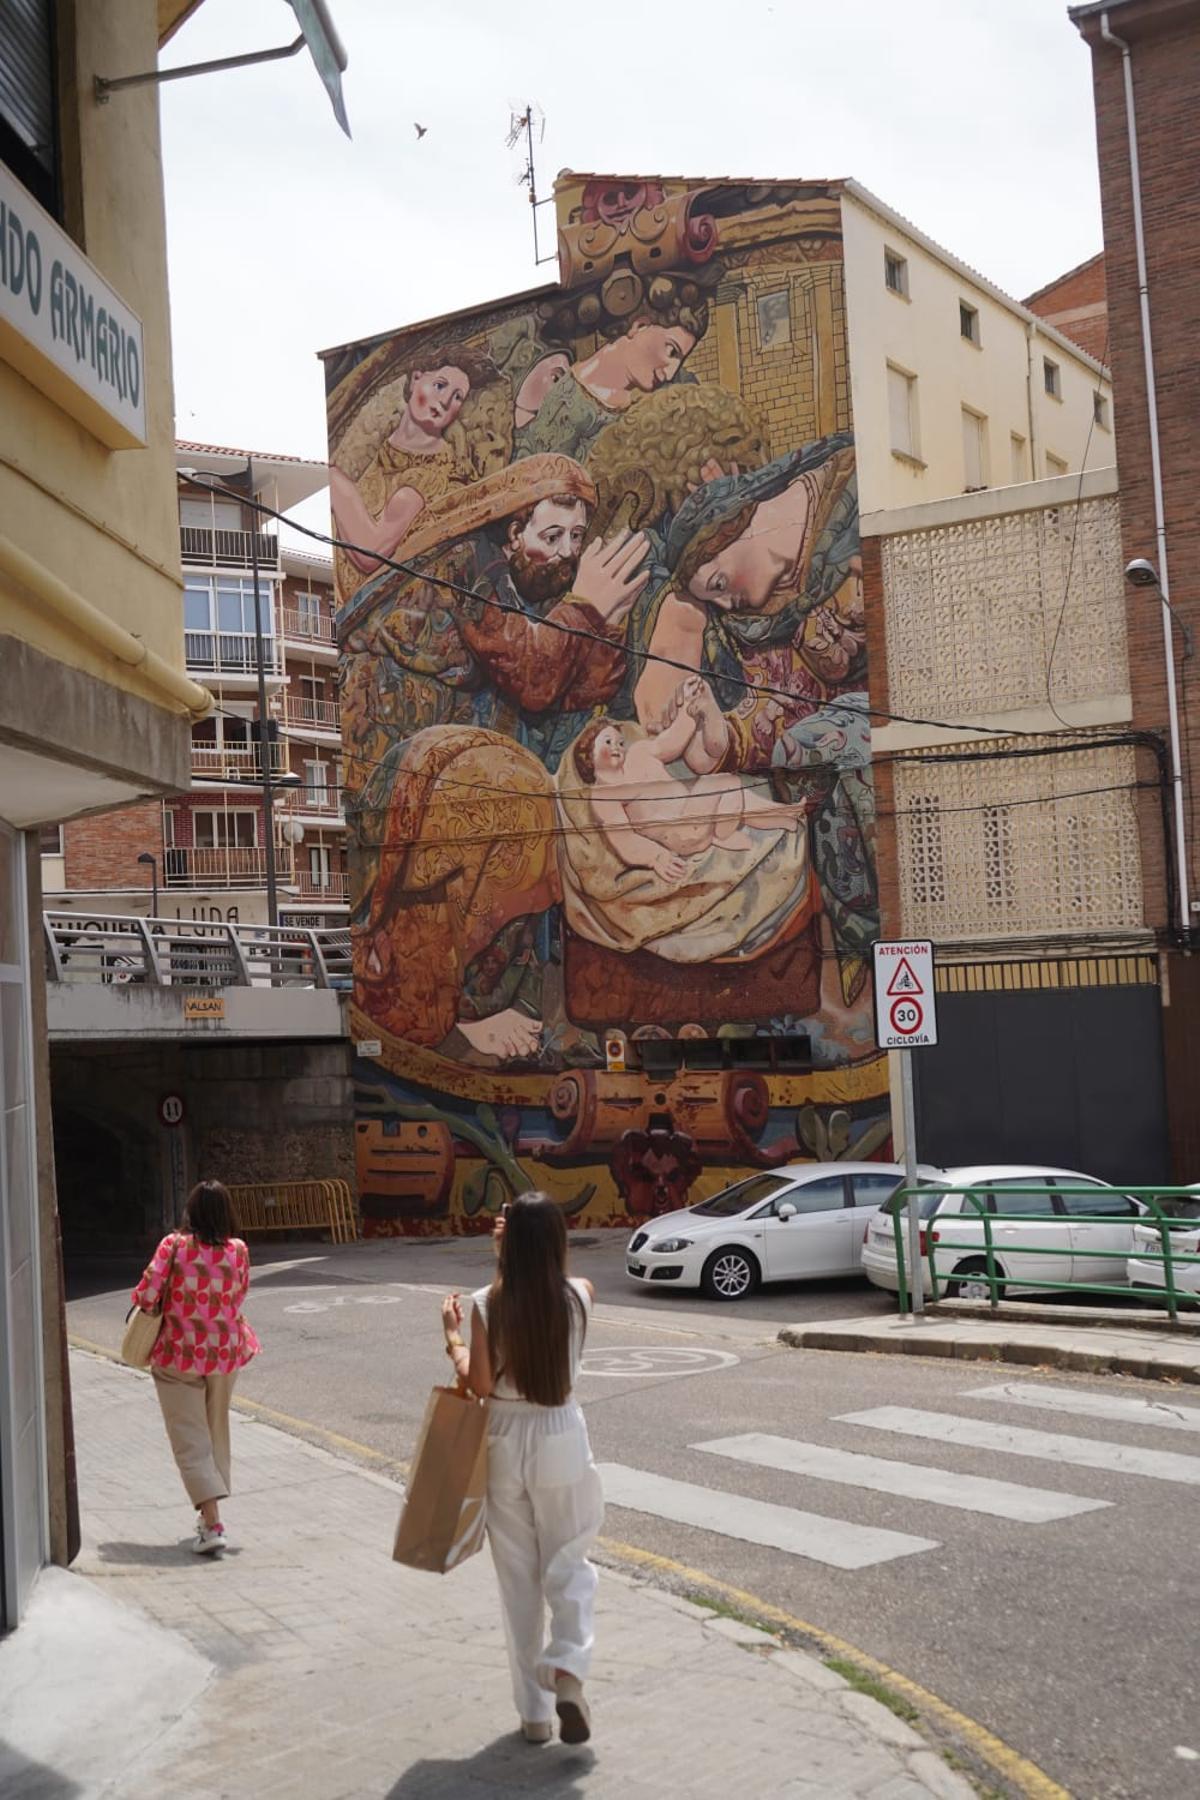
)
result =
(973, 118)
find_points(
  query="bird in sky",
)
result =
(420, 130)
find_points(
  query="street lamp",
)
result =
(146, 857)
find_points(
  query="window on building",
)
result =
(1100, 410)
(895, 273)
(225, 604)
(29, 136)
(318, 865)
(975, 456)
(902, 412)
(968, 322)
(1052, 378)
(210, 514)
(1055, 465)
(1018, 459)
(50, 840)
(235, 829)
(311, 612)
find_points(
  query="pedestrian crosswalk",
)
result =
(799, 1524)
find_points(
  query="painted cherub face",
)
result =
(537, 384)
(608, 752)
(435, 397)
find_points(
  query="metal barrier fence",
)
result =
(297, 1206)
(120, 949)
(998, 1275)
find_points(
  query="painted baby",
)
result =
(649, 817)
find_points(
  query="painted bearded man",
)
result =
(548, 623)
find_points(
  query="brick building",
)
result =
(1146, 77)
(203, 854)
(1076, 303)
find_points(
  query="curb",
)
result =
(1055, 1356)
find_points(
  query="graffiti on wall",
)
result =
(606, 738)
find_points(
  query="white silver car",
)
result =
(803, 1220)
(1146, 1268)
(1062, 1227)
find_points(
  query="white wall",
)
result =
(921, 335)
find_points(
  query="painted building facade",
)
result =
(606, 744)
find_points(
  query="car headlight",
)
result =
(668, 1245)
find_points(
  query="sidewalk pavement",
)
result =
(1162, 1355)
(304, 1663)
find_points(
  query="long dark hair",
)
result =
(208, 1214)
(531, 1305)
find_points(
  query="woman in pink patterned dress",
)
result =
(203, 1343)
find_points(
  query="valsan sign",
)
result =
(64, 328)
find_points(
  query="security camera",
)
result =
(1140, 573)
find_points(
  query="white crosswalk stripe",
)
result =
(1014, 1440)
(1121, 1408)
(837, 1542)
(910, 1481)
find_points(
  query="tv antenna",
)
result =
(523, 122)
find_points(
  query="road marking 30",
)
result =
(910, 1481)
(835, 1542)
(655, 1359)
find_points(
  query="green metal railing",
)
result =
(934, 1228)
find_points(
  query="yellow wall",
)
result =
(921, 335)
(104, 522)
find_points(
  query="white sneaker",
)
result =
(209, 1539)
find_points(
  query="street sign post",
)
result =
(906, 1020)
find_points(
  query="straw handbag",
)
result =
(142, 1328)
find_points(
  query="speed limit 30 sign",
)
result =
(905, 1005)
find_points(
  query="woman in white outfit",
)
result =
(544, 1504)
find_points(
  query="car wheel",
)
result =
(970, 1282)
(730, 1275)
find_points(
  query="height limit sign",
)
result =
(905, 1009)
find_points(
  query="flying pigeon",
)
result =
(420, 130)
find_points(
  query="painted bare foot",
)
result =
(508, 1033)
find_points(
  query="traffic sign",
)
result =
(905, 1003)
(171, 1109)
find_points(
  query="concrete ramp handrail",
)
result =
(117, 949)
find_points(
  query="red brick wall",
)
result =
(1164, 36)
(102, 851)
(1077, 304)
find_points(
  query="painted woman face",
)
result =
(654, 354)
(764, 563)
(435, 398)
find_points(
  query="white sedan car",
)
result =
(1064, 1229)
(1145, 1267)
(787, 1224)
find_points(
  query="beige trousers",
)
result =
(195, 1410)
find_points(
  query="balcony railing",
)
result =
(326, 884)
(230, 653)
(323, 799)
(228, 549)
(234, 762)
(319, 715)
(309, 627)
(225, 867)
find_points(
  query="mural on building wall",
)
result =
(606, 740)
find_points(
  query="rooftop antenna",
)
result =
(522, 123)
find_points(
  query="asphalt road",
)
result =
(1072, 1638)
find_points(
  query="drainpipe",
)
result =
(1160, 524)
(1034, 459)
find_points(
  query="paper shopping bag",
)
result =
(444, 1513)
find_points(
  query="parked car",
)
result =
(1145, 1267)
(1067, 1244)
(789, 1224)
